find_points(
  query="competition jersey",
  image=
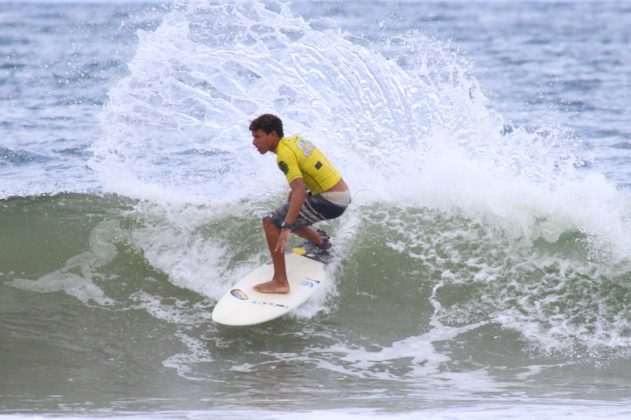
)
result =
(298, 158)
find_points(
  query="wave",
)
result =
(448, 276)
(412, 129)
(19, 157)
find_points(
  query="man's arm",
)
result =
(296, 199)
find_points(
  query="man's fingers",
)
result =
(281, 244)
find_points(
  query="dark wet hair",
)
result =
(268, 123)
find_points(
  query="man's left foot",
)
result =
(326, 243)
(323, 234)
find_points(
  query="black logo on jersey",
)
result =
(318, 165)
(283, 167)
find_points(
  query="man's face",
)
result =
(264, 142)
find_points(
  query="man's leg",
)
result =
(279, 283)
(315, 210)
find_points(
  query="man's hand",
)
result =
(297, 196)
(283, 238)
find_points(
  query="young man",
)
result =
(317, 193)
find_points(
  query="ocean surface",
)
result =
(483, 270)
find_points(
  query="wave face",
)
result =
(479, 259)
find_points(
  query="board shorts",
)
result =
(325, 206)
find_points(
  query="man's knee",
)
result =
(267, 222)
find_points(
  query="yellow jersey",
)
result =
(298, 158)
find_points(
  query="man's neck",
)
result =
(276, 147)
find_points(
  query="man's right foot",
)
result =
(272, 287)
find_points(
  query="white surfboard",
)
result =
(242, 305)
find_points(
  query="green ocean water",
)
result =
(89, 325)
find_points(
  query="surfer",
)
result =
(317, 192)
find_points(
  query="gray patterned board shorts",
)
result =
(315, 209)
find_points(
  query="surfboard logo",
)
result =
(260, 302)
(239, 294)
(310, 283)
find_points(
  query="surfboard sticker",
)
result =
(239, 294)
(309, 282)
(260, 302)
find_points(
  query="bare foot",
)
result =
(272, 287)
